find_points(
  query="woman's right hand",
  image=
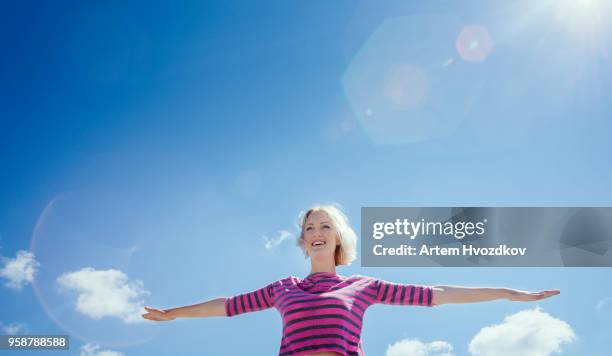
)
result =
(157, 315)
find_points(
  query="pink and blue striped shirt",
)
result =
(324, 311)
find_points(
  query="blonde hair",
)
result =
(346, 252)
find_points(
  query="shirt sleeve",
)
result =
(256, 300)
(403, 294)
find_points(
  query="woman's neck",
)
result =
(330, 268)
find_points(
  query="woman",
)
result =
(322, 313)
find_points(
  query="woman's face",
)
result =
(320, 236)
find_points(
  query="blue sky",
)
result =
(150, 148)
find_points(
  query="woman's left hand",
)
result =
(523, 296)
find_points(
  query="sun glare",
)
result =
(584, 23)
(580, 16)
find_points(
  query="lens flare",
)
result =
(404, 84)
(406, 87)
(474, 43)
(79, 230)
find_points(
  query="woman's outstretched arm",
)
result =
(454, 294)
(213, 307)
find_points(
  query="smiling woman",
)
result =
(323, 313)
(327, 229)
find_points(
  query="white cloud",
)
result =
(526, 333)
(94, 350)
(14, 328)
(130, 251)
(603, 303)
(415, 347)
(105, 293)
(270, 243)
(20, 270)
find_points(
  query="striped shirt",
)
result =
(324, 311)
